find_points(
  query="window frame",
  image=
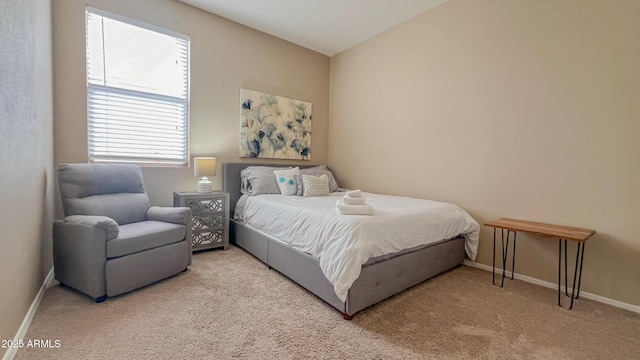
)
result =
(140, 160)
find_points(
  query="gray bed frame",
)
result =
(378, 280)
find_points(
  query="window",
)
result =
(137, 91)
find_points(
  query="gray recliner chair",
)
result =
(112, 240)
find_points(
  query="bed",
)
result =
(378, 278)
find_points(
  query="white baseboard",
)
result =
(22, 330)
(584, 294)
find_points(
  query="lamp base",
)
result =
(204, 185)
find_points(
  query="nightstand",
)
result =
(210, 218)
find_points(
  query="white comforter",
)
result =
(343, 243)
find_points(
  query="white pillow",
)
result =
(256, 180)
(315, 185)
(287, 180)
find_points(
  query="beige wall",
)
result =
(523, 109)
(225, 56)
(26, 159)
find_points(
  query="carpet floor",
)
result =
(228, 305)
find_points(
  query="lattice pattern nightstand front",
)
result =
(205, 205)
(210, 218)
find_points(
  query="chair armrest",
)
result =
(176, 215)
(107, 224)
(80, 252)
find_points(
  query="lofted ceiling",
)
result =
(325, 26)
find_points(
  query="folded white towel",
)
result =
(353, 200)
(353, 209)
(354, 193)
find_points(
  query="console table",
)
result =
(563, 233)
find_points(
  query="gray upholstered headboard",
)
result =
(231, 178)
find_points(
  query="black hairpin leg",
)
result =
(559, 270)
(493, 273)
(513, 257)
(566, 288)
(580, 276)
(505, 255)
(577, 272)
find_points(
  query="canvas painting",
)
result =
(274, 127)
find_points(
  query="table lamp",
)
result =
(204, 166)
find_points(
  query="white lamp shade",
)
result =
(204, 166)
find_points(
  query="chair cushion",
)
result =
(81, 180)
(124, 208)
(144, 235)
(114, 190)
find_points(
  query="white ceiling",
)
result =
(326, 26)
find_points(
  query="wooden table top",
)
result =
(547, 230)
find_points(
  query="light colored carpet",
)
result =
(229, 305)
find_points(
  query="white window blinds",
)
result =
(137, 91)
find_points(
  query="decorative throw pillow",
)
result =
(315, 185)
(287, 180)
(317, 171)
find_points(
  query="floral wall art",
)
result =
(274, 127)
